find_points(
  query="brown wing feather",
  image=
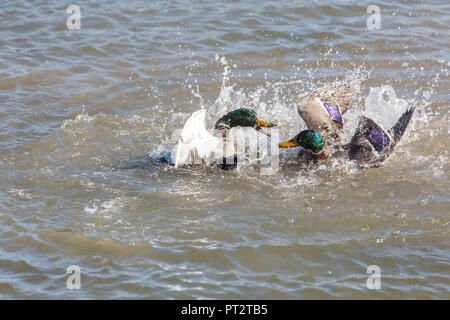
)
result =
(317, 118)
(340, 95)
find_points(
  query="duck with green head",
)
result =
(242, 117)
(370, 145)
(196, 142)
(322, 111)
(311, 141)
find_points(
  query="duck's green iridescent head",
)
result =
(308, 139)
(242, 117)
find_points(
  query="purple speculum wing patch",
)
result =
(334, 112)
(378, 138)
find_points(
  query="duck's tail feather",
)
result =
(402, 123)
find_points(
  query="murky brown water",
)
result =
(83, 111)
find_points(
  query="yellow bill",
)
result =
(290, 143)
(262, 123)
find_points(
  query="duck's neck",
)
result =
(223, 131)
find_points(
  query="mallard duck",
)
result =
(310, 140)
(322, 111)
(197, 145)
(370, 146)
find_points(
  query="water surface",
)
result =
(83, 111)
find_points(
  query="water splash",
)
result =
(277, 102)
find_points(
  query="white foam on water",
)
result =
(20, 193)
(83, 117)
(105, 208)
